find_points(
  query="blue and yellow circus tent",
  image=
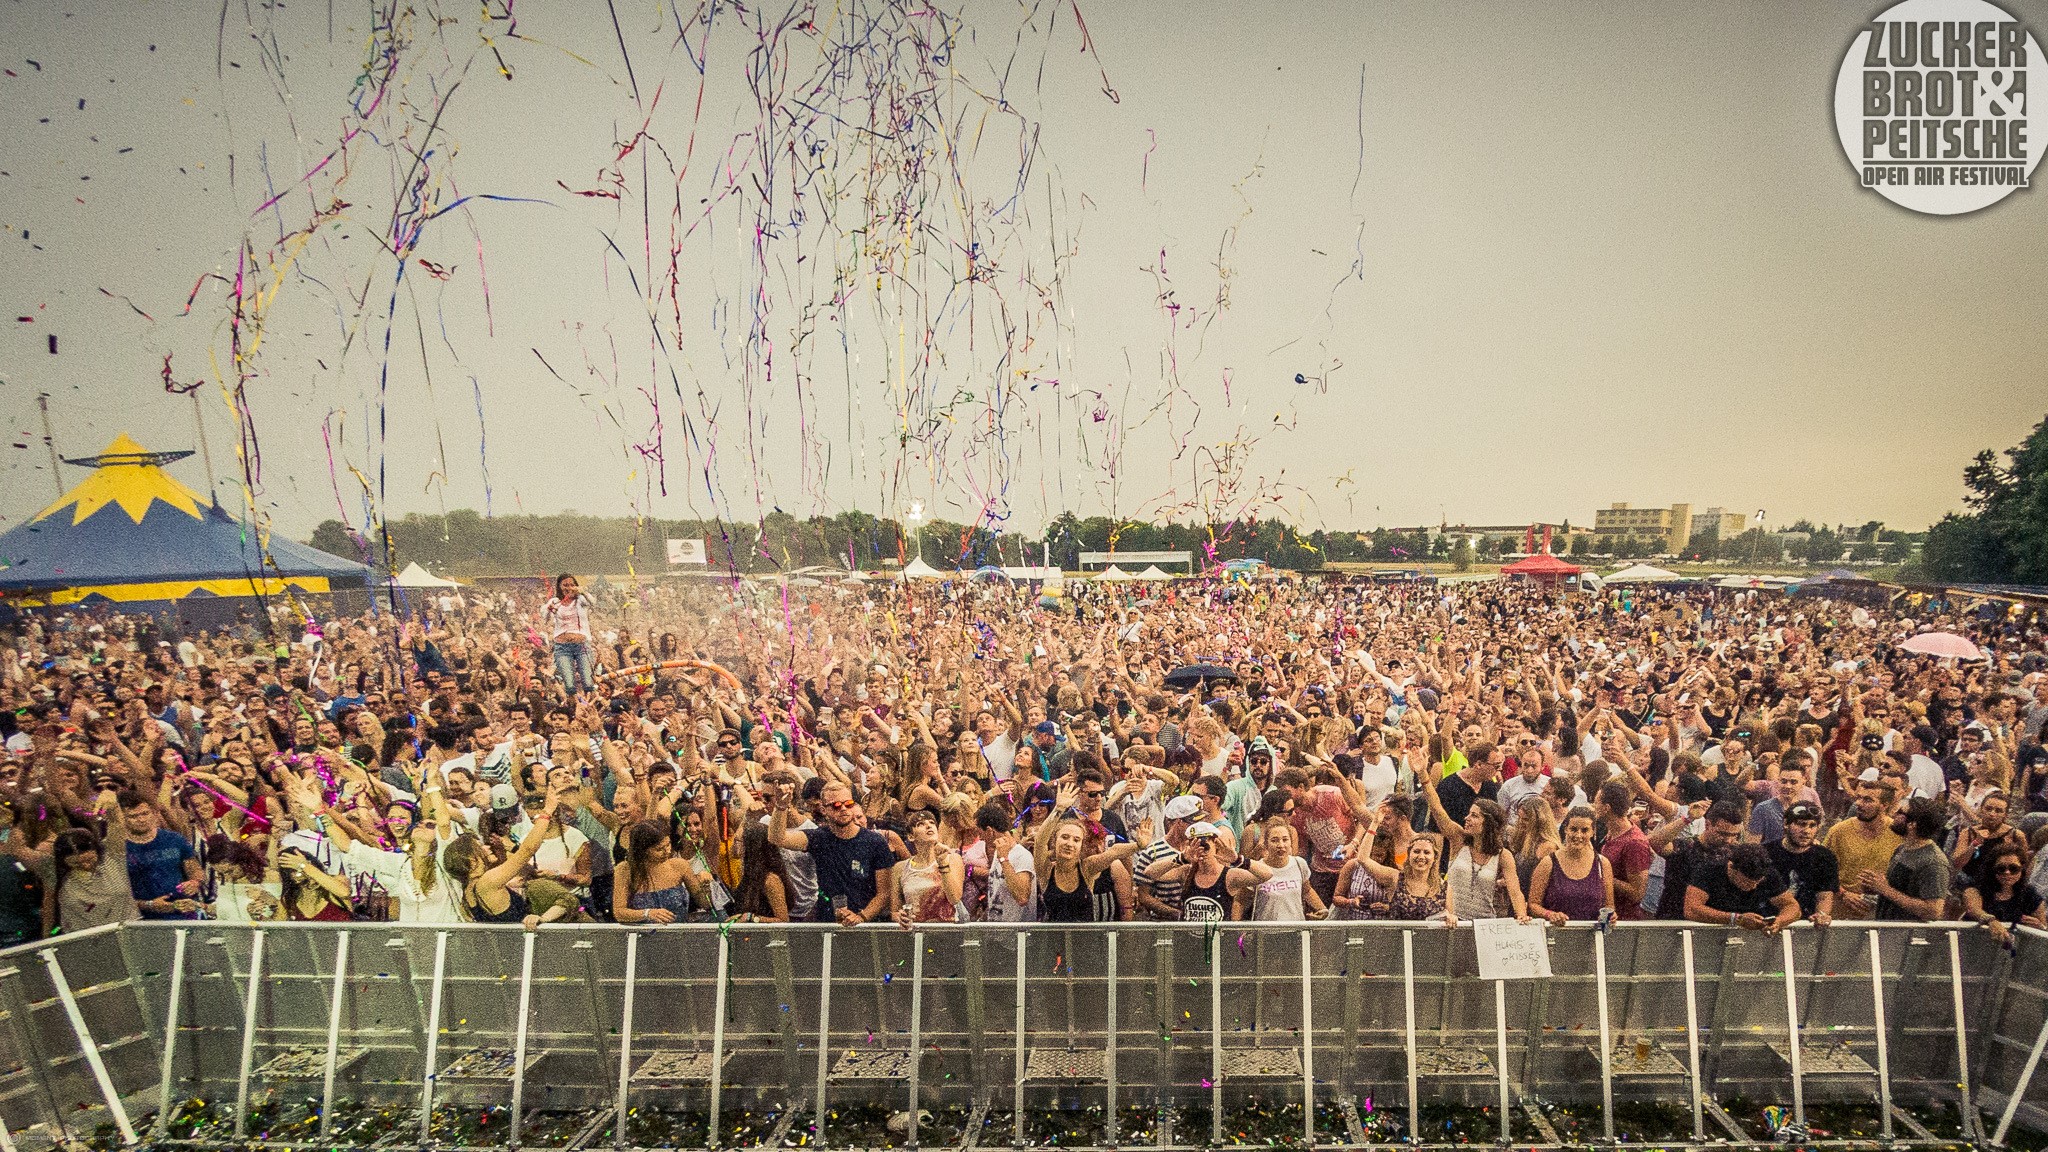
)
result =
(134, 539)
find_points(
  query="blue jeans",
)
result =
(572, 666)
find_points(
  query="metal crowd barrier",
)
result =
(110, 1036)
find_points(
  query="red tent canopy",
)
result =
(1541, 564)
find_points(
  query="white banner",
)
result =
(685, 552)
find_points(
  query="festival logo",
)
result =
(1931, 105)
(1201, 910)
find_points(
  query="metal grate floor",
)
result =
(1262, 1064)
(676, 1067)
(871, 1064)
(1824, 1060)
(1658, 1065)
(1453, 1062)
(1064, 1064)
(309, 1063)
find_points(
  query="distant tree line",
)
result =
(1805, 543)
(469, 544)
(2003, 538)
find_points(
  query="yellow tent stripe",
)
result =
(177, 590)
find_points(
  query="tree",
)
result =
(1823, 547)
(1754, 546)
(1863, 551)
(1705, 544)
(2004, 538)
(1582, 545)
(1461, 555)
(335, 540)
(1962, 549)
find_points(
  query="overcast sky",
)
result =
(1526, 258)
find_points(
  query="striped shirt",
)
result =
(1166, 892)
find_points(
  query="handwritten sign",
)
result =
(1509, 950)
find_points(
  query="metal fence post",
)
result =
(916, 1025)
(519, 1037)
(1308, 1045)
(1017, 1111)
(619, 1106)
(1215, 1039)
(1109, 1041)
(711, 1133)
(176, 1003)
(1692, 1039)
(1500, 1033)
(1792, 1033)
(824, 1027)
(1967, 1105)
(431, 1070)
(1606, 1036)
(1408, 994)
(248, 1033)
(91, 1051)
(2019, 1088)
(1884, 1051)
(333, 1032)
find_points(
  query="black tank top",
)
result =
(515, 910)
(1097, 904)
(1207, 901)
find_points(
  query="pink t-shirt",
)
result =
(1324, 825)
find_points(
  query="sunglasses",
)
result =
(2003, 869)
(841, 805)
(1094, 792)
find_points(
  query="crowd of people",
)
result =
(909, 753)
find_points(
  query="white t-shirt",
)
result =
(1379, 778)
(1134, 805)
(1001, 754)
(1514, 791)
(393, 870)
(1004, 908)
(1925, 778)
(231, 899)
(563, 619)
(1279, 899)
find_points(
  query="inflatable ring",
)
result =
(673, 665)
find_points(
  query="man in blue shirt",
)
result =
(163, 870)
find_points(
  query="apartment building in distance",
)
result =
(1675, 525)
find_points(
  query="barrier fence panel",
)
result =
(1148, 1036)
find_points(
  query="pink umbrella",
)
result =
(1946, 644)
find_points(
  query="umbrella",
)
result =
(1945, 644)
(990, 572)
(1189, 675)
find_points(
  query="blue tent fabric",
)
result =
(132, 533)
(166, 545)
